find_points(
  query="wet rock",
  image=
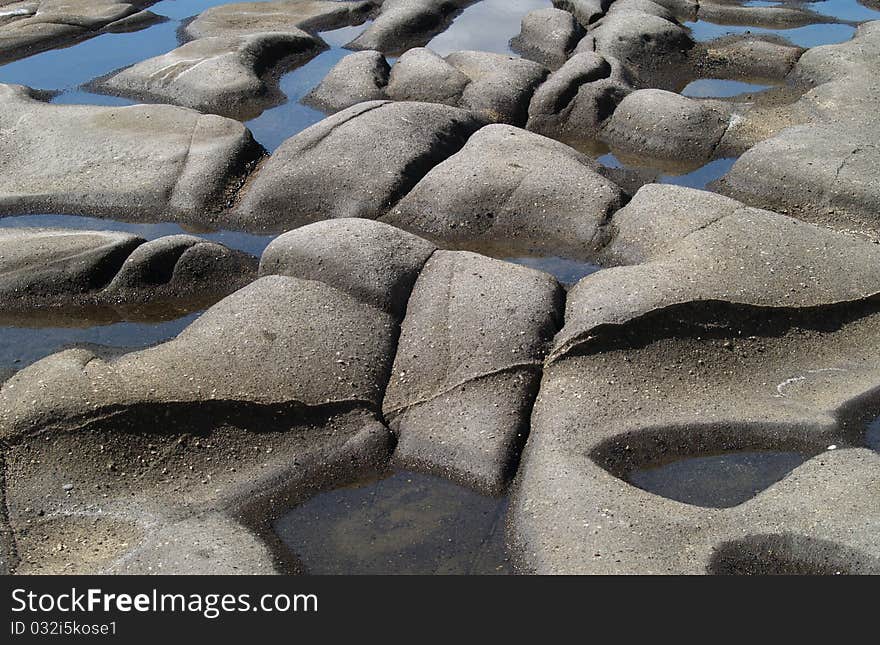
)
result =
(501, 86)
(548, 36)
(746, 57)
(141, 163)
(655, 49)
(33, 26)
(422, 75)
(45, 268)
(358, 77)
(226, 75)
(768, 17)
(332, 169)
(402, 24)
(388, 260)
(511, 192)
(247, 18)
(666, 126)
(468, 366)
(575, 102)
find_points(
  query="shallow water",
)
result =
(719, 88)
(403, 523)
(807, 36)
(567, 271)
(22, 346)
(486, 26)
(872, 435)
(699, 178)
(717, 481)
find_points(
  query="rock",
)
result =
(421, 75)
(817, 172)
(656, 50)
(403, 24)
(225, 75)
(496, 87)
(332, 168)
(695, 246)
(248, 18)
(501, 86)
(768, 17)
(358, 77)
(512, 193)
(585, 11)
(468, 366)
(33, 26)
(641, 6)
(548, 36)
(141, 163)
(651, 368)
(576, 101)
(388, 260)
(746, 57)
(52, 268)
(662, 125)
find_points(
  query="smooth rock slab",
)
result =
(511, 192)
(137, 163)
(42, 268)
(403, 24)
(356, 163)
(225, 75)
(468, 366)
(247, 18)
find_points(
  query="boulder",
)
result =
(403, 24)
(548, 36)
(356, 163)
(358, 77)
(138, 163)
(468, 367)
(510, 192)
(422, 75)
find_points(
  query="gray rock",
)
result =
(226, 75)
(388, 260)
(737, 330)
(825, 173)
(32, 26)
(510, 192)
(656, 50)
(468, 366)
(665, 126)
(548, 36)
(52, 268)
(695, 246)
(356, 163)
(403, 24)
(576, 101)
(641, 6)
(501, 86)
(768, 17)
(422, 75)
(247, 18)
(749, 57)
(585, 11)
(141, 163)
(358, 77)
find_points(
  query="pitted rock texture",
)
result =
(32, 26)
(511, 192)
(329, 170)
(143, 162)
(55, 268)
(468, 366)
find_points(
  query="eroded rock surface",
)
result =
(143, 162)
